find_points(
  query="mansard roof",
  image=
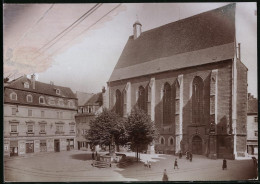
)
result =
(41, 88)
(201, 39)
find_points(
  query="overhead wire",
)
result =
(33, 26)
(83, 31)
(68, 29)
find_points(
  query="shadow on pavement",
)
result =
(82, 156)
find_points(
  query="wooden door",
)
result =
(197, 145)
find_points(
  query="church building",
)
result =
(188, 76)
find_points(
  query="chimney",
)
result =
(33, 80)
(103, 89)
(137, 27)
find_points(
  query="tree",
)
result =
(140, 130)
(106, 126)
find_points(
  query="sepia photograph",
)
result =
(101, 92)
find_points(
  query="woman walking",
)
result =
(165, 176)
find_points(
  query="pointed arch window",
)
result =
(149, 100)
(167, 104)
(141, 98)
(197, 100)
(118, 104)
(124, 103)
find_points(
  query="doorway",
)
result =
(57, 145)
(197, 145)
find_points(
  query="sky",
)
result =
(45, 39)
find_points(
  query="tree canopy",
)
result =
(140, 129)
(106, 125)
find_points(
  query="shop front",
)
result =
(29, 146)
(13, 148)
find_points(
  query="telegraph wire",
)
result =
(83, 31)
(30, 29)
(79, 20)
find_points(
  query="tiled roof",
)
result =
(201, 36)
(83, 97)
(41, 88)
(96, 99)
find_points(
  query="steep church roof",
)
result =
(204, 38)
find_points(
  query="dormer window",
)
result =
(41, 100)
(29, 98)
(26, 85)
(13, 96)
(57, 91)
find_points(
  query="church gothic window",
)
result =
(124, 103)
(197, 100)
(118, 105)
(141, 98)
(167, 104)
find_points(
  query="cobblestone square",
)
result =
(76, 166)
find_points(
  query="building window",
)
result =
(141, 98)
(26, 85)
(162, 140)
(59, 128)
(71, 104)
(124, 103)
(61, 103)
(30, 128)
(42, 128)
(72, 128)
(42, 114)
(29, 98)
(41, 100)
(14, 128)
(197, 100)
(118, 104)
(29, 112)
(256, 119)
(167, 104)
(14, 111)
(256, 133)
(51, 101)
(57, 91)
(171, 141)
(89, 109)
(13, 96)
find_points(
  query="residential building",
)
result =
(252, 125)
(87, 112)
(188, 76)
(38, 117)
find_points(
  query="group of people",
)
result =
(148, 164)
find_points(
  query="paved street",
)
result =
(76, 166)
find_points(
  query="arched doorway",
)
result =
(197, 145)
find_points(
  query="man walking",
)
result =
(176, 164)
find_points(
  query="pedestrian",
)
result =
(187, 155)
(93, 156)
(165, 176)
(224, 165)
(180, 155)
(176, 164)
(150, 164)
(190, 157)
